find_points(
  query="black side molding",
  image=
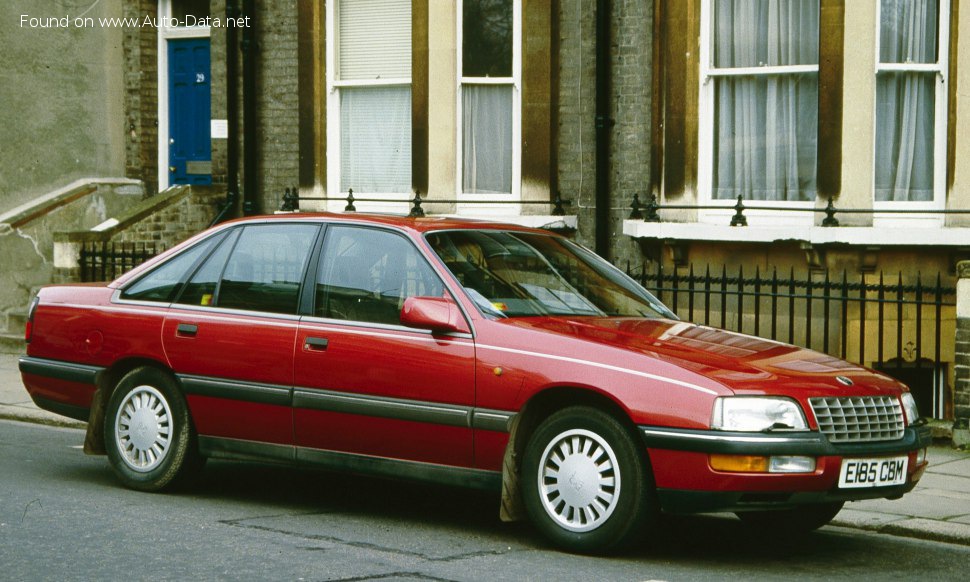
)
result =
(60, 370)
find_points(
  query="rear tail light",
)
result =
(29, 328)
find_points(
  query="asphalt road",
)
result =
(64, 517)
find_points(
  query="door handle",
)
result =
(317, 344)
(186, 330)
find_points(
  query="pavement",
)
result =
(938, 509)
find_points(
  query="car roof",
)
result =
(411, 223)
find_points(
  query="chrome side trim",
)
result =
(732, 438)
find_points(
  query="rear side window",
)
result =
(163, 283)
(366, 274)
(265, 268)
(201, 289)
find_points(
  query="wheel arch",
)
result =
(106, 382)
(539, 407)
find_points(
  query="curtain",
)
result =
(487, 139)
(906, 102)
(766, 125)
(375, 139)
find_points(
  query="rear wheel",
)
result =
(797, 520)
(148, 433)
(586, 484)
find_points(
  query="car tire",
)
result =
(148, 432)
(607, 499)
(797, 520)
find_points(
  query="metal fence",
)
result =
(899, 326)
(104, 261)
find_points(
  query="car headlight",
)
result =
(909, 408)
(757, 414)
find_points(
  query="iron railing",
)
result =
(649, 212)
(105, 261)
(291, 202)
(815, 312)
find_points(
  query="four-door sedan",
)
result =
(466, 353)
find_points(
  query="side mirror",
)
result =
(433, 313)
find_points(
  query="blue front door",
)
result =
(189, 112)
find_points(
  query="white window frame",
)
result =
(515, 81)
(941, 68)
(165, 34)
(705, 130)
(397, 201)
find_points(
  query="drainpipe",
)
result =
(232, 116)
(603, 126)
(251, 204)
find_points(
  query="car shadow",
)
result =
(297, 490)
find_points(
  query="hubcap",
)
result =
(579, 480)
(143, 427)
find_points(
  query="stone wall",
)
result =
(27, 235)
(61, 117)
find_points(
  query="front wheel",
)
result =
(148, 432)
(586, 484)
(797, 520)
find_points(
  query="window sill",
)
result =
(816, 235)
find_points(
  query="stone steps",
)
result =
(12, 343)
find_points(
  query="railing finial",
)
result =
(350, 201)
(830, 219)
(652, 208)
(739, 219)
(416, 210)
(291, 200)
(557, 205)
(635, 213)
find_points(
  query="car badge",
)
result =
(844, 380)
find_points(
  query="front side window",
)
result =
(511, 274)
(370, 94)
(910, 99)
(489, 72)
(760, 98)
(366, 274)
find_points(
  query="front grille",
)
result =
(857, 419)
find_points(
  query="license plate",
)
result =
(883, 472)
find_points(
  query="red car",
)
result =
(467, 353)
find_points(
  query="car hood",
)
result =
(742, 363)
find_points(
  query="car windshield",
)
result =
(515, 274)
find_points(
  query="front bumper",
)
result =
(687, 484)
